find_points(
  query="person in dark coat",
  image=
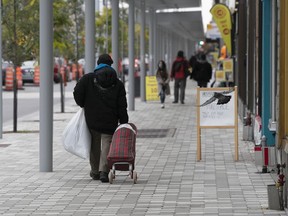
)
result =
(179, 73)
(103, 97)
(202, 71)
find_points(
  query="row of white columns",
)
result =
(163, 45)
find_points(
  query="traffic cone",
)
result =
(19, 78)
(9, 79)
(37, 75)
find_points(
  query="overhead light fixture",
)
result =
(171, 10)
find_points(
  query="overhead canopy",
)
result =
(187, 24)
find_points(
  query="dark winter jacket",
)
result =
(179, 68)
(103, 97)
(202, 71)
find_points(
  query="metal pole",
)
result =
(46, 86)
(62, 93)
(142, 52)
(122, 44)
(155, 44)
(14, 74)
(263, 143)
(1, 92)
(107, 32)
(90, 36)
(151, 54)
(131, 77)
(115, 34)
(77, 45)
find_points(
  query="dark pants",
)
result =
(202, 84)
(179, 84)
(162, 94)
(100, 146)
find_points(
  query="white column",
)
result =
(46, 86)
(131, 78)
(142, 52)
(89, 36)
(115, 34)
(151, 42)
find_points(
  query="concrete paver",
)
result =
(170, 179)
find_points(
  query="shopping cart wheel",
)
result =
(134, 177)
(111, 177)
(114, 170)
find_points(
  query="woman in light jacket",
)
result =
(163, 80)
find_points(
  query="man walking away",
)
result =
(179, 73)
(202, 71)
(103, 97)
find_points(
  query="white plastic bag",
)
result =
(126, 125)
(76, 137)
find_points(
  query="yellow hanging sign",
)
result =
(222, 17)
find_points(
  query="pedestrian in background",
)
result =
(179, 73)
(103, 97)
(162, 77)
(202, 71)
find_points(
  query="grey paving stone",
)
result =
(170, 179)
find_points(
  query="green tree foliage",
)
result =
(67, 15)
(102, 37)
(70, 35)
(27, 29)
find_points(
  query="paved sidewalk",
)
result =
(170, 180)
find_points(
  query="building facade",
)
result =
(260, 52)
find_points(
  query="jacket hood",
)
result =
(106, 76)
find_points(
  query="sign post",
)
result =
(217, 108)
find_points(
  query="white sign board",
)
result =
(214, 114)
(217, 108)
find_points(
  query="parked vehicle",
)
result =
(27, 74)
(30, 63)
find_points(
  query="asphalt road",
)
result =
(28, 100)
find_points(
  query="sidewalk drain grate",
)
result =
(21, 131)
(4, 145)
(65, 112)
(39, 120)
(156, 133)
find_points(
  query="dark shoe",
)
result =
(95, 176)
(104, 177)
(175, 102)
(182, 102)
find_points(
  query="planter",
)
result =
(273, 197)
(247, 133)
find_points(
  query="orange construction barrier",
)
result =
(37, 75)
(19, 78)
(9, 79)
